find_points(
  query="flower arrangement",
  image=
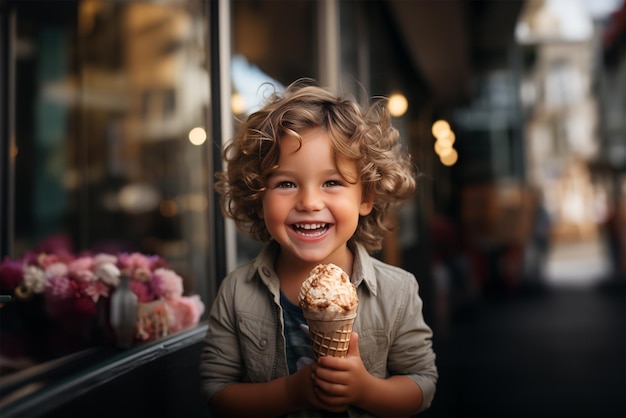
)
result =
(72, 286)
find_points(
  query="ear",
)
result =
(367, 203)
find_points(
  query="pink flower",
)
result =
(130, 262)
(73, 286)
(84, 276)
(142, 290)
(142, 274)
(184, 312)
(166, 283)
(11, 273)
(78, 266)
(96, 289)
(59, 288)
(136, 266)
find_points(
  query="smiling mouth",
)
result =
(310, 230)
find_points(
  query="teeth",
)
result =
(311, 230)
(310, 226)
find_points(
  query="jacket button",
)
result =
(266, 271)
(263, 343)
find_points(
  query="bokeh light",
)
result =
(397, 105)
(197, 136)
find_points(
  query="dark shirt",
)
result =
(299, 349)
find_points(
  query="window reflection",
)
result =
(106, 95)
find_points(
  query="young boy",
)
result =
(314, 176)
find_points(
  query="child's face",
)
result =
(309, 208)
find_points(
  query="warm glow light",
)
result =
(450, 159)
(444, 142)
(449, 137)
(441, 146)
(440, 128)
(443, 149)
(197, 136)
(397, 105)
(237, 104)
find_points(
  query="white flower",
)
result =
(108, 273)
(104, 258)
(56, 270)
(35, 279)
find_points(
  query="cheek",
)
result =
(271, 210)
(347, 210)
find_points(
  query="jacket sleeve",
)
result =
(221, 356)
(411, 351)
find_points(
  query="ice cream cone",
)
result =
(329, 303)
(330, 336)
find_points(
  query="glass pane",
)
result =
(110, 130)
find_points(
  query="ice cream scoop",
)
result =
(329, 303)
(328, 289)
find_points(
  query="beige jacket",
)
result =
(245, 339)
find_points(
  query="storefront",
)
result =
(112, 119)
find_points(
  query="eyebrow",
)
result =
(295, 173)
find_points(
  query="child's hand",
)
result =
(300, 388)
(302, 392)
(340, 382)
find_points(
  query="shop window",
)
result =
(106, 95)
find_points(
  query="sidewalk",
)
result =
(559, 352)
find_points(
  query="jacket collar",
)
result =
(362, 269)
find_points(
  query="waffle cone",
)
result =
(330, 335)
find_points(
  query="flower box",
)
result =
(74, 294)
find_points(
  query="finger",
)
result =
(324, 375)
(331, 363)
(331, 394)
(331, 383)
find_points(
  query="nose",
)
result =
(309, 200)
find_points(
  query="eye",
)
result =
(333, 183)
(285, 185)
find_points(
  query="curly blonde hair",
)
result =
(361, 135)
